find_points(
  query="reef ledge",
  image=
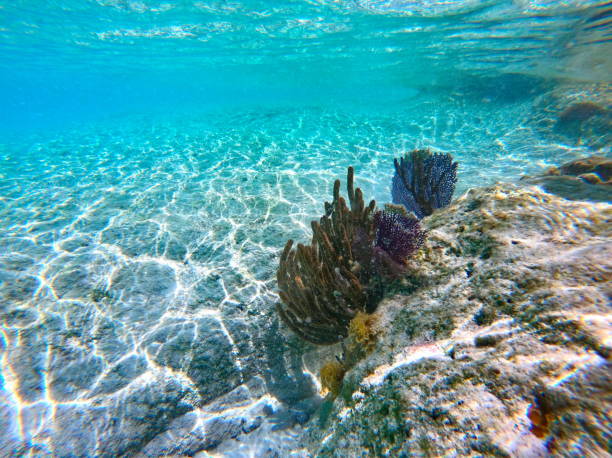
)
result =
(498, 343)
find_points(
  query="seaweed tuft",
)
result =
(362, 331)
(332, 374)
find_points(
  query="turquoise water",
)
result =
(156, 155)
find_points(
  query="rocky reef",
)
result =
(587, 178)
(497, 343)
(575, 115)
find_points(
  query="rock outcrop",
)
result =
(498, 343)
(587, 178)
(575, 114)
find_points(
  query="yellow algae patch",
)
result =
(362, 329)
(332, 374)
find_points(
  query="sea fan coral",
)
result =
(424, 181)
(399, 236)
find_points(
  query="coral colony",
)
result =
(330, 288)
(424, 181)
(325, 284)
(398, 236)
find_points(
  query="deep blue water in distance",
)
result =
(161, 153)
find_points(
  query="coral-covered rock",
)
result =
(500, 344)
(575, 114)
(599, 165)
(586, 178)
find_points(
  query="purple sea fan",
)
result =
(398, 236)
(424, 181)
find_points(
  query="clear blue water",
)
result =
(161, 152)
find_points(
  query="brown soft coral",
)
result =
(324, 284)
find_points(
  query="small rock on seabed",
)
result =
(588, 178)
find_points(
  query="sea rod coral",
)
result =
(323, 285)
